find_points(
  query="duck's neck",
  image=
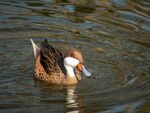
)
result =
(70, 71)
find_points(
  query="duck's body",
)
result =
(53, 67)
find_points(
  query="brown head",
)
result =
(74, 53)
(73, 58)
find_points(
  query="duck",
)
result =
(56, 67)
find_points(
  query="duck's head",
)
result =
(73, 59)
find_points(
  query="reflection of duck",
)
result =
(74, 102)
(59, 95)
(54, 67)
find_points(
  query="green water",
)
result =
(114, 37)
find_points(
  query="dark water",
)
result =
(114, 36)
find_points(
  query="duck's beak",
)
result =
(83, 69)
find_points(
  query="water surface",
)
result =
(114, 37)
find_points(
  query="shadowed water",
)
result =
(114, 37)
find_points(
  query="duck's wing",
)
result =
(52, 59)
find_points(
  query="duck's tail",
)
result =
(36, 49)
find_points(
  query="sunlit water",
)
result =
(114, 37)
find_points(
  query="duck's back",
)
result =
(52, 59)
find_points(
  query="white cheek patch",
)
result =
(71, 61)
(85, 72)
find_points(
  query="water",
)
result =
(114, 37)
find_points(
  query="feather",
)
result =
(36, 49)
(51, 59)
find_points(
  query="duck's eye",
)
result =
(72, 55)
